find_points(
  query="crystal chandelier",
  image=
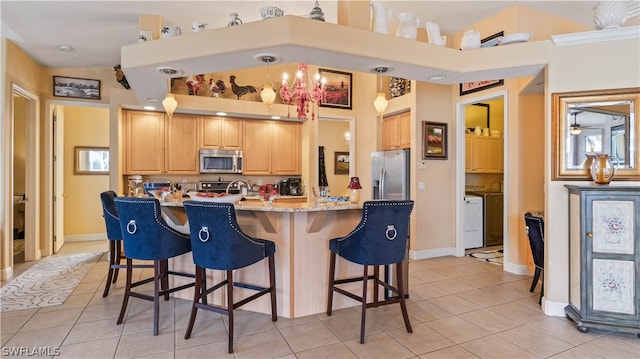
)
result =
(298, 95)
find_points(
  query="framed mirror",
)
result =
(589, 122)
(91, 160)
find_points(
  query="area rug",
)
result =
(494, 256)
(47, 283)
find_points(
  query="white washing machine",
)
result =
(473, 222)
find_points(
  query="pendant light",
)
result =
(380, 103)
(268, 94)
(169, 103)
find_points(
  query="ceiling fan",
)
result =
(575, 128)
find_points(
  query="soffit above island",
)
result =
(295, 39)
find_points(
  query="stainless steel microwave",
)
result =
(220, 161)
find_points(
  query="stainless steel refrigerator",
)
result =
(390, 180)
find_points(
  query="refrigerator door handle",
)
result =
(383, 174)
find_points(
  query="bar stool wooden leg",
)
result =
(332, 272)
(198, 295)
(117, 258)
(127, 290)
(272, 283)
(230, 307)
(364, 302)
(403, 304)
(110, 276)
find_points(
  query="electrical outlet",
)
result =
(421, 186)
(259, 181)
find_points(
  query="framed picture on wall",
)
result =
(338, 87)
(341, 163)
(434, 140)
(76, 88)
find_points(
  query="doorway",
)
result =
(22, 181)
(481, 173)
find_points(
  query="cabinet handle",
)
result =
(590, 234)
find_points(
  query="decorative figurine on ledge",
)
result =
(194, 82)
(122, 79)
(240, 90)
(216, 88)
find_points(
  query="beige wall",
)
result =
(83, 126)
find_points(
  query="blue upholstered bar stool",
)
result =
(218, 243)
(112, 222)
(535, 232)
(379, 239)
(147, 236)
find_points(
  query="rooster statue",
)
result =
(194, 82)
(240, 90)
(216, 88)
(122, 79)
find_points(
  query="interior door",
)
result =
(58, 178)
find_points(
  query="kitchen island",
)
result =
(301, 233)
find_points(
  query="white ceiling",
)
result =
(98, 29)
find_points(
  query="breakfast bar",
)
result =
(301, 232)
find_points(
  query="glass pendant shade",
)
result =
(268, 95)
(380, 103)
(575, 130)
(170, 104)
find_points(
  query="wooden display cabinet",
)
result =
(604, 258)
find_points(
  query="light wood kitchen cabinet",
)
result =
(484, 154)
(153, 144)
(495, 157)
(181, 145)
(144, 142)
(256, 153)
(271, 147)
(396, 131)
(604, 260)
(221, 132)
(286, 148)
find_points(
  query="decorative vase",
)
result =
(602, 169)
(234, 19)
(609, 14)
(408, 27)
(381, 17)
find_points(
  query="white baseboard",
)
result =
(519, 269)
(554, 309)
(6, 273)
(85, 237)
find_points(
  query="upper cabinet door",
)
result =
(257, 147)
(181, 150)
(396, 131)
(221, 132)
(286, 148)
(144, 142)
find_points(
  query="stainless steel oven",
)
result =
(220, 161)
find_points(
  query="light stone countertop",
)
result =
(283, 207)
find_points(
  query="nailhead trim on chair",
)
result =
(155, 215)
(365, 215)
(214, 205)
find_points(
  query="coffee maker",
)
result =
(284, 188)
(295, 188)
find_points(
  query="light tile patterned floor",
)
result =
(459, 308)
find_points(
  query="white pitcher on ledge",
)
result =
(408, 27)
(381, 17)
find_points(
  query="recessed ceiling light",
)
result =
(275, 117)
(152, 99)
(437, 77)
(150, 108)
(221, 113)
(169, 71)
(65, 48)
